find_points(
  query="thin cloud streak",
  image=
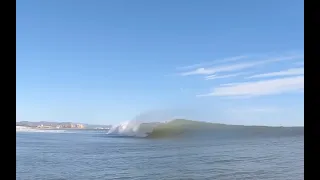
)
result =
(288, 72)
(235, 67)
(212, 77)
(260, 88)
(212, 63)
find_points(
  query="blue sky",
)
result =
(104, 62)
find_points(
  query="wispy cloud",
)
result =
(212, 77)
(259, 88)
(284, 81)
(229, 84)
(235, 67)
(288, 72)
(225, 60)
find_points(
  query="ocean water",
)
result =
(89, 155)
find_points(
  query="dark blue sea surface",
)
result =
(89, 155)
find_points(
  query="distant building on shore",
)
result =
(58, 125)
(44, 127)
(70, 125)
(62, 125)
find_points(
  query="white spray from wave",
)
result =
(143, 124)
(133, 128)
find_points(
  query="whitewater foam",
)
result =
(134, 128)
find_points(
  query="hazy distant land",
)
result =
(181, 124)
(60, 125)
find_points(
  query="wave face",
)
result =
(182, 128)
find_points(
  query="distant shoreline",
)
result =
(43, 125)
(80, 129)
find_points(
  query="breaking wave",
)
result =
(181, 128)
(133, 128)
